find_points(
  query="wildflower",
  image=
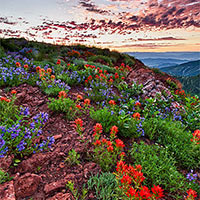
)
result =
(131, 191)
(138, 167)
(97, 129)
(119, 143)
(145, 192)
(62, 94)
(122, 154)
(136, 115)
(87, 102)
(97, 76)
(109, 143)
(104, 140)
(191, 177)
(196, 136)
(42, 71)
(52, 77)
(138, 104)
(79, 122)
(5, 99)
(97, 143)
(26, 66)
(58, 62)
(113, 130)
(157, 191)
(191, 194)
(123, 78)
(49, 70)
(18, 64)
(78, 106)
(2, 142)
(111, 80)
(86, 81)
(79, 97)
(116, 75)
(112, 102)
(13, 92)
(38, 68)
(126, 179)
(110, 148)
(89, 78)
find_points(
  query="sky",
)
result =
(122, 25)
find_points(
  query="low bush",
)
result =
(172, 135)
(63, 104)
(104, 186)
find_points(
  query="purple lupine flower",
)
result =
(21, 145)
(191, 177)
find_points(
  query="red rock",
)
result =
(5, 162)
(57, 136)
(31, 164)
(61, 196)
(70, 177)
(26, 185)
(52, 187)
(7, 191)
(90, 168)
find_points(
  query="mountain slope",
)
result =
(186, 69)
(190, 84)
(162, 62)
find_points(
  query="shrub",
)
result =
(109, 117)
(157, 71)
(172, 135)
(73, 158)
(104, 185)
(105, 117)
(106, 59)
(159, 166)
(65, 105)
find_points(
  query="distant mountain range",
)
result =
(161, 62)
(186, 69)
(165, 59)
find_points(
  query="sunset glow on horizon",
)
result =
(122, 25)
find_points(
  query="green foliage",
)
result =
(2, 53)
(4, 177)
(108, 118)
(191, 117)
(75, 191)
(105, 117)
(190, 84)
(130, 91)
(157, 71)
(104, 185)
(159, 167)
(73, 158)
(128, 60)
(172, 84)
(178, 142)
(65, 105)
(97, 58)
(8, 111)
